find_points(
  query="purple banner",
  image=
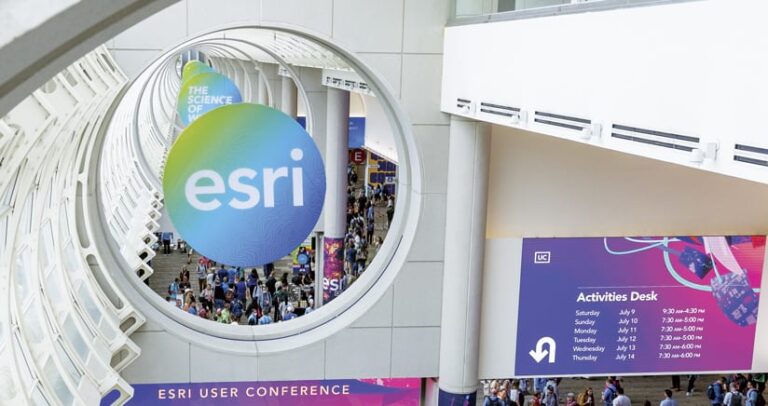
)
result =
(613, 306)
(400, 392)
(333, 268)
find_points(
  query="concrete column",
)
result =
(288, 95)
(467, 195)
(262, 95)
(336, 155)
(335, 210)
(251, 95)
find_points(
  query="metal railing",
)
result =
(466, 12)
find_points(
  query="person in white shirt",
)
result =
(622, 399)
(668, 401)
(733, 398)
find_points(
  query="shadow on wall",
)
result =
(540, 186)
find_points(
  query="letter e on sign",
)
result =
(357, 156)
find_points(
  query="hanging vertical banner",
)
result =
(614, 306)
(333, 268)
(202, 90)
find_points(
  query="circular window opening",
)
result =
(219, 254)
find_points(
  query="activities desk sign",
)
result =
(638, 305)
(394, 392)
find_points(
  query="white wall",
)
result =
(690, 68)
(546, 187)
(402, 42)
(378, 131)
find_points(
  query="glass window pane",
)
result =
(24, 370)
(69, 365)
(70, 258)
(57, 383)
(9, 387)
(75, 339)
(22, 274)
(32, 323)
(89, 303)
(38, 398)
(46, 245)
(64, 222)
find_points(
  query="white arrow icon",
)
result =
(539, 354)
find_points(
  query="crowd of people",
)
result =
(237, 295)
(734, 390)
(362, 241)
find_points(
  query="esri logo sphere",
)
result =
(244, 184)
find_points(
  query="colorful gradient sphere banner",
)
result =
(614, 306)
(203, 90)
(194, 67)
(244, 184)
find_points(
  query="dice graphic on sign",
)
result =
(541, 257)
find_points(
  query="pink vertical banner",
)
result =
(333, 268)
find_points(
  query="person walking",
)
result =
(733, 397)
(715, 392)
(753, 395)
(621, 398)
(550, 397)
(668, 401)
(586, 398)
(609, 393)
(676, 383)
(691, 382)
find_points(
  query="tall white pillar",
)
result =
(262, 95)
(288, 94)
(467, 196)
(336, 155)
(335, 210)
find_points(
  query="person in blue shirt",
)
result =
(668, 401)
(240, 288)
(253, 280)
(351, 255)
(289, 314)
(225, 284)
(265, 319)
(253, 319)
(173, 288)
(222, 273)
(719, 392)
(231, 274)
(609, 393)
(752, 394)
